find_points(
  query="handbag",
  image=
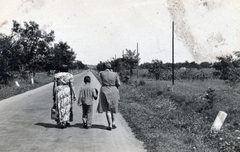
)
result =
(71, 115)
(54, 113)
(96, 94)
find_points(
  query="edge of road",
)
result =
(35, 89)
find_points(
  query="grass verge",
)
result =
(12, 89)
(179, 118)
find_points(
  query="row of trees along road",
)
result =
(29, 48)
(225, 67)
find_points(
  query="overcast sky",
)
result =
(99, 30)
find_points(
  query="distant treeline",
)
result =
(225, 68)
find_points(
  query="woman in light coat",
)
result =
(109, 95)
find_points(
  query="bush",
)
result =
(125, 79)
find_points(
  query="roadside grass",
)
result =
(12, 89)
(179, 117)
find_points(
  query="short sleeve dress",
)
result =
(109, 94)
(63, 95)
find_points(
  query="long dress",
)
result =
(109, 94)
(62, 92)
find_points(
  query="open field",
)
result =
(179, 118)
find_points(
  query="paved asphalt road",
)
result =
(26, 126)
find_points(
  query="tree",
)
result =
(130, 60)
(117, 64)
(205, 65)
(228, 67)
(31, 43)
(156, 68)
(49, 60)
(145, 65)
(194, 65)
(224, 65)
(63, 55)
(9, 59)
(5, 54)
(100, 66)
(78, 65)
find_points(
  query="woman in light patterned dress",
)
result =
(63, 96)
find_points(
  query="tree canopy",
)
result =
(28, 48)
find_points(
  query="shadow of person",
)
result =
(99, 126)
(47, 125)
(80, 125)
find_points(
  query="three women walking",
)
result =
(64, 95)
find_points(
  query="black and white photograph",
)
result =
(120, 75)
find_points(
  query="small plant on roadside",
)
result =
(223, 141)
(141, 83)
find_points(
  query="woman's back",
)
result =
(63, 78)
(109, 78)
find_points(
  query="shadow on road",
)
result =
(79, 125)
(47, 125)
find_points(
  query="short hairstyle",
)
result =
(107, 65)
(87, 79)
(63, 68)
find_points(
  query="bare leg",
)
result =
(84, 115)
(113, 118)
(108, 115)
(113, 121)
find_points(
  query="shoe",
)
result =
(84, 126)
(114, 126)
(109, 128)
(58, 123)
(68, 124)
(64, 125)
(88, 127)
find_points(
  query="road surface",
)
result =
(26, 126)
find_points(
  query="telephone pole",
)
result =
(137, 60)
(173, 53)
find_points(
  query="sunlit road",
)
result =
(25, 126)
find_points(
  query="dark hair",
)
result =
(107, 65)
(87, 79)
(63, 68)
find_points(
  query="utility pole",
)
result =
(173, 53)
(137, 60)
